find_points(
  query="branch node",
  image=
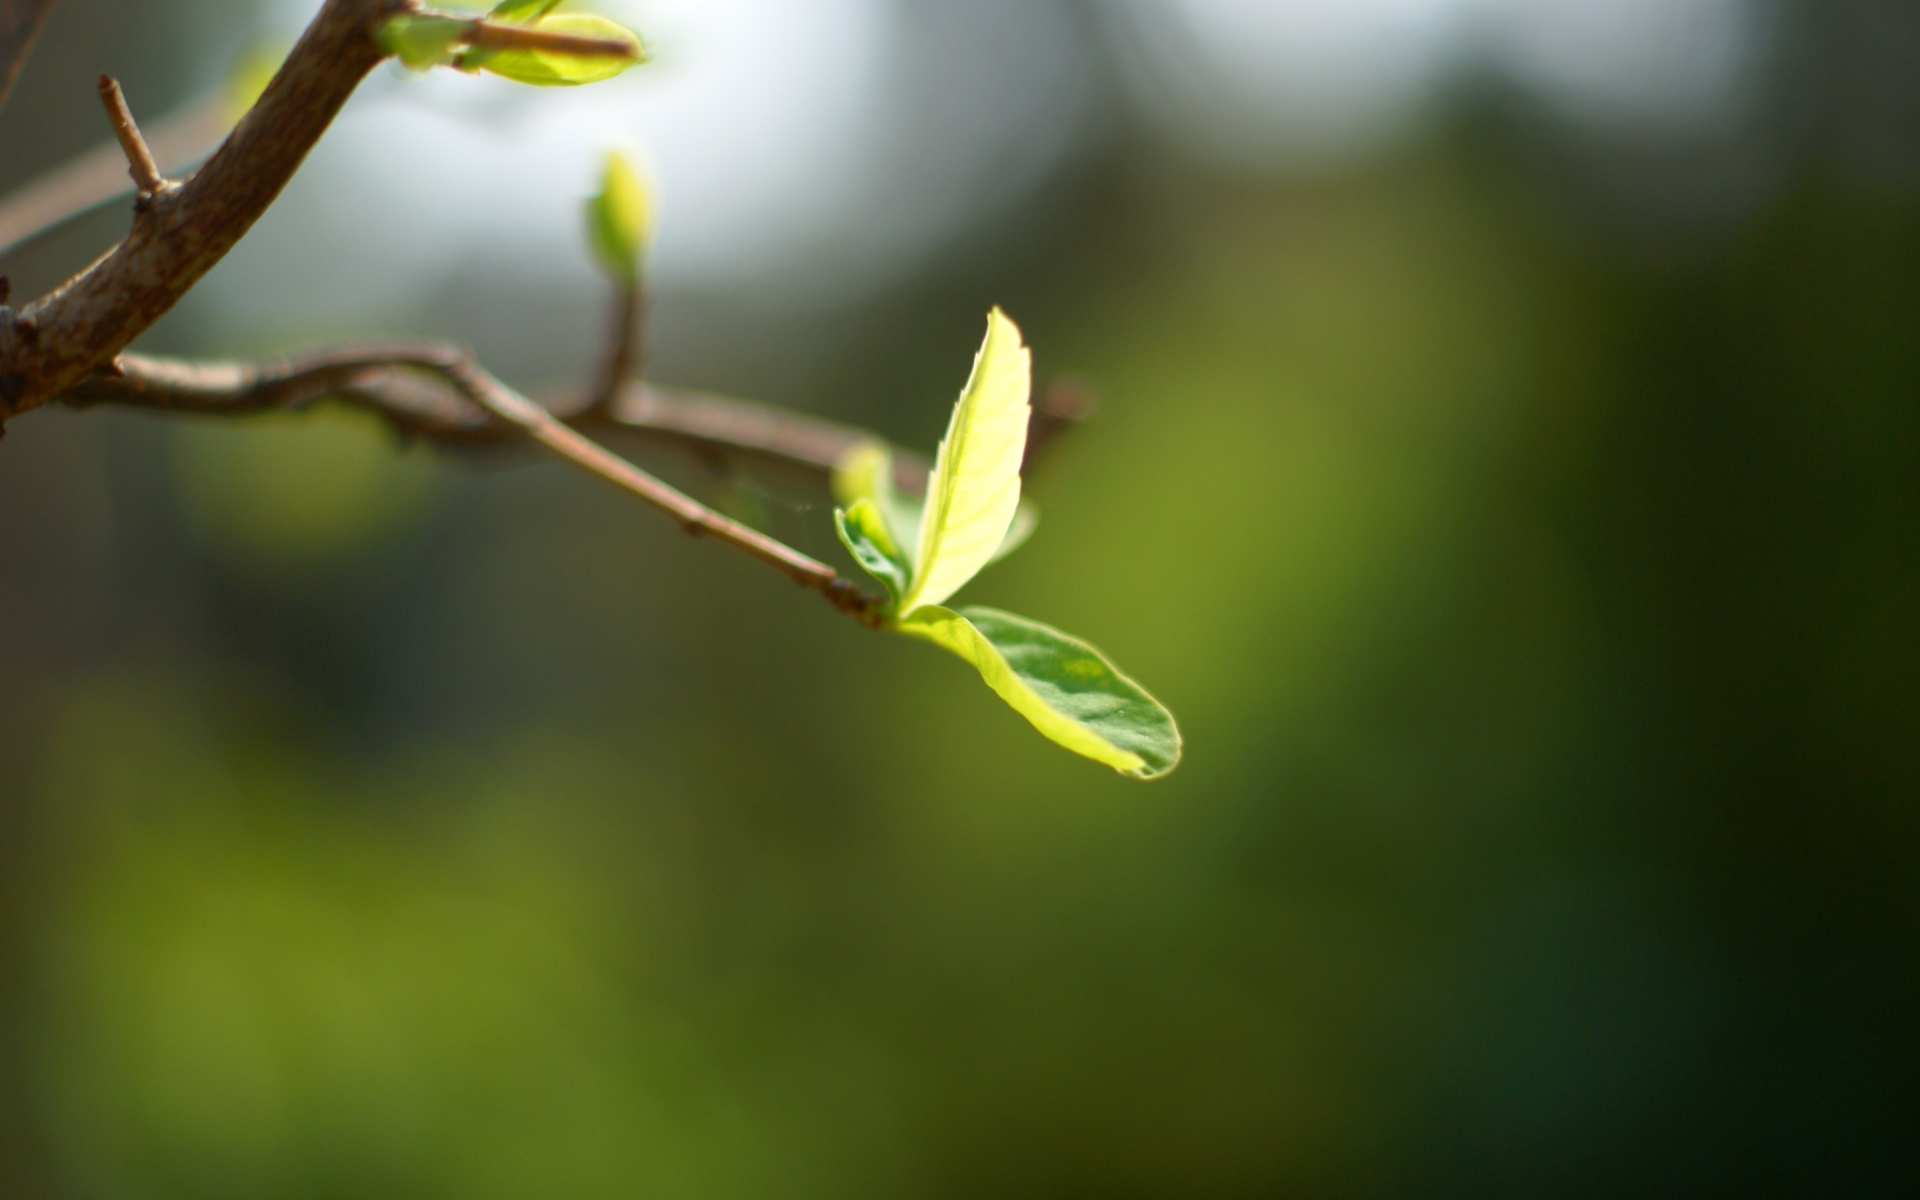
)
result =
(140, 161)
(850, 599)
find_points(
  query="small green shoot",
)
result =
(974, 515)
(422, 41)
(620, 219)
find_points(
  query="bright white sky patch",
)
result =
(1259, 79)
(802, 151)
(1673, 67)
(809, 151)
(1277, 81)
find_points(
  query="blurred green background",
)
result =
(1529, 546)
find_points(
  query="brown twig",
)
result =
(177, 140)
(177, 238)
(147, 179)
(625, 343)
(20, 22)
(693, 516)
(485, 35)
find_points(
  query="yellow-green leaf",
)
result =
(548, 68)
(1065, 687)
(620, 219)
(975, 486)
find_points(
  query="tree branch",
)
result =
(20, 22)
(184, 230)
(475, 406)
(693, 516)
(388, 381)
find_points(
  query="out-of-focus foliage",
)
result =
(975, 485)
(1541, 591)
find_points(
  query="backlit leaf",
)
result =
(1065, 687)
(975, 486)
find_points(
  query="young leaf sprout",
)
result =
(971, 517)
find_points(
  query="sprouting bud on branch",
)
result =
(620, 219)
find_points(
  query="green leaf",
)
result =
(521, 12)
(619, 219)
(975, 486)
(1066, 688)
(863, 531)
(421, 42)
(546, 68)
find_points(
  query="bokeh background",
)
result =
(1508, 468)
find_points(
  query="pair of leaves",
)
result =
(423, 40)
(972, 516)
